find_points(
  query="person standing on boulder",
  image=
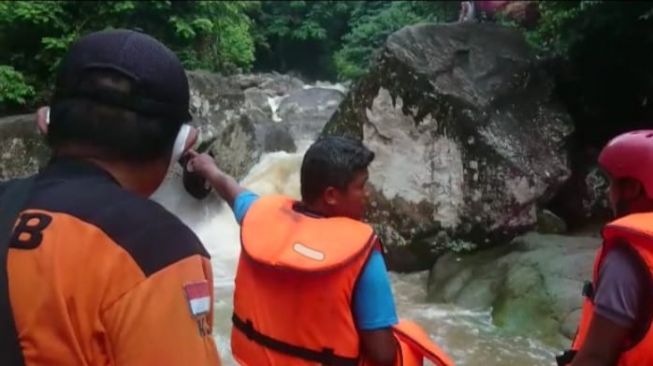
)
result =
(467, 12)
(312, 286)
(615, 326)
(97, 273)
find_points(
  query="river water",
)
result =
(467, 336)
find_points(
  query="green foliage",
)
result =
(373, 23)
(302, 35)
(607, 46)
(329, 38)
(303, 20)
(212, 35)
(564, 24)
(13, 88)
(319, 39)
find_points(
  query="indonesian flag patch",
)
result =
(198, 295)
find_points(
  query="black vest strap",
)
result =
(326, 357)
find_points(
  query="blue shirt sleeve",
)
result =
(242, 203)
(374, 306)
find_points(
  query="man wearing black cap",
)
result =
(97, 273)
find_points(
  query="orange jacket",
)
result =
(636, 231)
(99, 276)
(294, 289)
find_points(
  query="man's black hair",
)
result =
(332, 161)
(110, 132)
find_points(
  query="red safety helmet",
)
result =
(630, 155)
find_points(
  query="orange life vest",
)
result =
(636, 231)
(294, 289)
(415, 345)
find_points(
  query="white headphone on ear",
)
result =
(47, 115)
(180, 143)
(178, 147)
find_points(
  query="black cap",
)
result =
(160, 86)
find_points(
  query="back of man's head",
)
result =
(119, 95)
(332, 161)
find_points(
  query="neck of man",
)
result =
(142, 178)
(317, 209)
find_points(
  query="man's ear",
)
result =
(43, 119)
(330, 196)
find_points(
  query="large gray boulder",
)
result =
(238, 110)
(307, 110)
(532, 286)
(259, 113)
(468, 137)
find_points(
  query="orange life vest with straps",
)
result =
(636, 231)
(294, 288)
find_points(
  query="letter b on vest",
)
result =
(28, 234)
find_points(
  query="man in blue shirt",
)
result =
(334, 169)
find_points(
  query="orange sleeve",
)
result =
(155, 323)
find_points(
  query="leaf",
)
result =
(13, 87)
(203, 24)
(183, 29)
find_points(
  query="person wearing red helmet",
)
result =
(615, 326)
